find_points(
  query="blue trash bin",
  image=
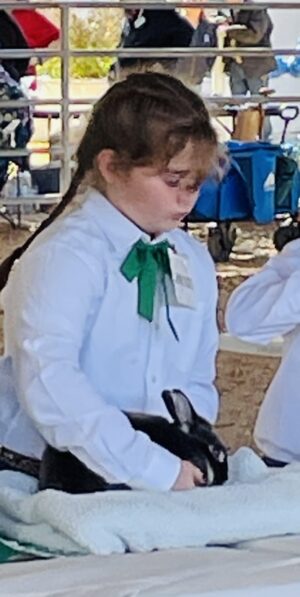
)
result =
(224, 200)
(260, 182)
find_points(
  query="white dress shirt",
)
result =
(266, 306)
(80, 353)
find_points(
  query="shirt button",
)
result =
(153, 378)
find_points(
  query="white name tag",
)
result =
(182, 281)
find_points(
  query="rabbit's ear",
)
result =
(179, 408)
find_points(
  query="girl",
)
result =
(264, 307)
(112, 303)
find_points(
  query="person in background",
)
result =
(204, 36)
(11, 37)
(249, 28)
(262, 308)
(16, 123)
(249, 75)
(152, 29)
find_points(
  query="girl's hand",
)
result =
(189, 477)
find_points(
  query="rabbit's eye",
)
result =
(217, 453)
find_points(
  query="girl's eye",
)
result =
(176, 181)
(193, 188)
(171, 181)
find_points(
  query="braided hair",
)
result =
(145, 119)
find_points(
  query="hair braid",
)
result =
(7, 264)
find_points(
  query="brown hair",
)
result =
(146, 119)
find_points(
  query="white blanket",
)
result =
(256, 502)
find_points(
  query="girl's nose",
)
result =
(185, 198)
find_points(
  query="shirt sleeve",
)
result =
(267, 305)
(201, 388)
(256, 29)
(50, 298)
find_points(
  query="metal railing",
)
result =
(155, 4)
(65, 53)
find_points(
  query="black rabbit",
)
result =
(189, 437)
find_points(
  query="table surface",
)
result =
(264, 568)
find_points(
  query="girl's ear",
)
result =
(106, 164)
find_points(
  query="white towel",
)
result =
(255, 502)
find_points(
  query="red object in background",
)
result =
(37, 29)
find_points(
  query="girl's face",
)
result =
(157, 200)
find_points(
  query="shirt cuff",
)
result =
(161, 473)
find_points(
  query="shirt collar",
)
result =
(121, 232)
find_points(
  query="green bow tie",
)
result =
(144, 262)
